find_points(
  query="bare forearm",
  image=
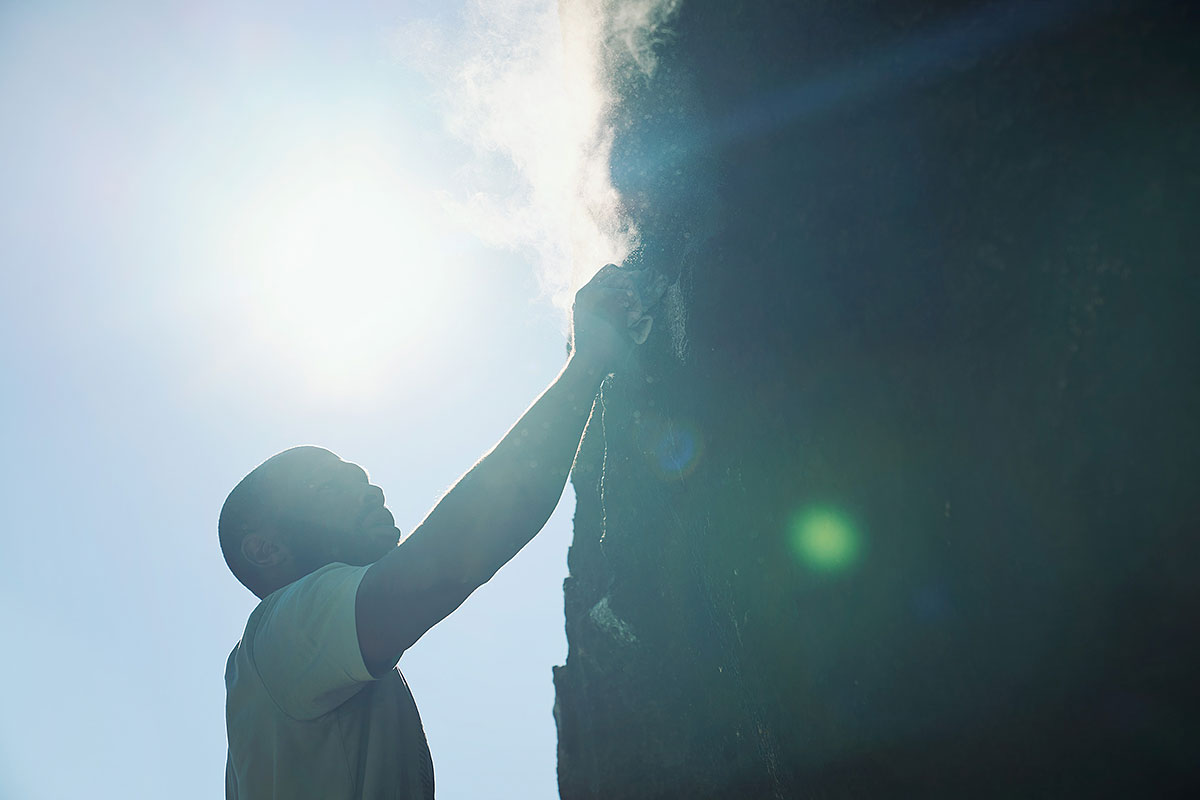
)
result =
(506, 498)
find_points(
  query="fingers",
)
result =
(621, 298)
(647, 286)
(609, 300)
(615, 308)
(614, 275)
(610, 276)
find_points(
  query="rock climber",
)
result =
(315, 704)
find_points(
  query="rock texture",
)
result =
(899, 499)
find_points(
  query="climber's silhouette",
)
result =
(314, 705)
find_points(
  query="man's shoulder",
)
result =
(301, 643)
(325, 580)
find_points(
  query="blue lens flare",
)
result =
(675, 449)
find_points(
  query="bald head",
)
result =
(298, 511)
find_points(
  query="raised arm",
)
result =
(503, 501)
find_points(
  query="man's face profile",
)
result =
(316, 509)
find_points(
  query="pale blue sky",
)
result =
(155, 157)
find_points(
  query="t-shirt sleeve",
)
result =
(306, 644)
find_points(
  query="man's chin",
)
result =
(375, 546)
(390, 541)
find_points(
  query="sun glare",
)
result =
(338, 265)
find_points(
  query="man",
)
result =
(315, 707)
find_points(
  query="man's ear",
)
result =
(263, 551)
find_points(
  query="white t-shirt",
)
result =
(304, 717)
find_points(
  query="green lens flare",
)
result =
(825, 539)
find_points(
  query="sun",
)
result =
(338, 266)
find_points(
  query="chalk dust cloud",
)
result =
(529, 86)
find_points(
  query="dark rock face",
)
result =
(900, 498)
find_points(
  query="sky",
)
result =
(224, 231)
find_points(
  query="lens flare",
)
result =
(825, 540)
(676, 449)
